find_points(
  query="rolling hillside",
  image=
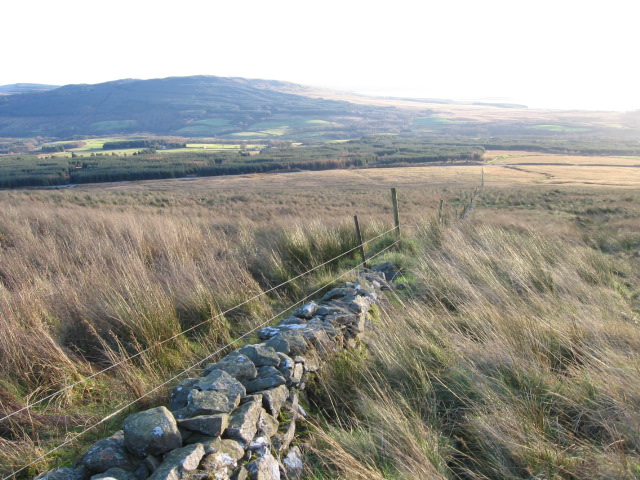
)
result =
(186, 106)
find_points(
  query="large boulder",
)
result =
(153, 431)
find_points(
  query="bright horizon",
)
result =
(544, 54)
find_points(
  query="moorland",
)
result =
(511, 352)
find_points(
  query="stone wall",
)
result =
(238, 419)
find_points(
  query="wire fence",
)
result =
(124, 407)
(183, 332)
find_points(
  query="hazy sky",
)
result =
(560, 53)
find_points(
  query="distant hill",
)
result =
(187, 106)
(17, 88)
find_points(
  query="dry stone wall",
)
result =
(238, 419)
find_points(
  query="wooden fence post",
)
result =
(441, 211)
(359, 235)
(396, 217)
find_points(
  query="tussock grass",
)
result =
(511, 354)
(515, 356)
(83, 288)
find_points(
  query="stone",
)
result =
(187, 458)
(273, 399)
(240, 474)
(259, 444)
(80, 473)
(210, 403)
(264, 467)
(237, 365)
(152, 463)
(261, 355)
(243, 424)
(293, 321)
(307, 311)
(388, 269)
(338, 293)
(267, 425)
(212, 425)
(223, 461)
(281, 441)
(180, 394)
(297, 343)
(109, 453)
(319, 339)
(212, 445)
(232, 448)
(152, 431)
(279, 344)
(221, 381)
(267, 332)
(265, 382)
(114, 473)
(293, 465)
(179, 462)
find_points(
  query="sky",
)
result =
(545, 54)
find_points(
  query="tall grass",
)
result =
(515, 356)
(85, 288)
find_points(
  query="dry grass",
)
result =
(92, 274)
(515, 356)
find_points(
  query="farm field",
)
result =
(511, 353)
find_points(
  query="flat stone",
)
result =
(109, 453)
(153, 432)
(210, 402)
(222, 382)
(260, 355)
(265, 383)
(293, 321)
(243, 424)
(212, 425)
(237, 365)
(338, 293)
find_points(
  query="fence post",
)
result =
(396, 217)
(359, 235)
(441, 211)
